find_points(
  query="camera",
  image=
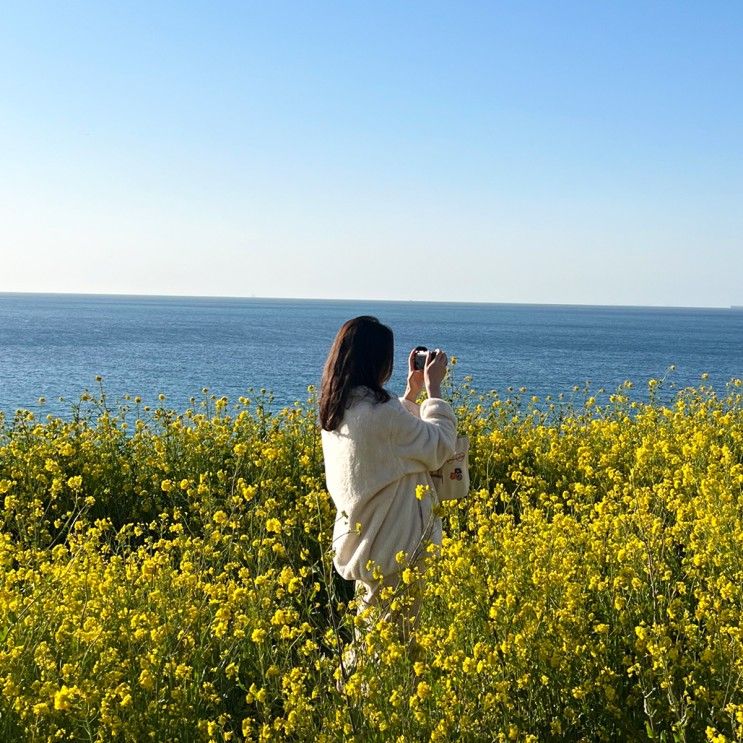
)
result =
(421, 354)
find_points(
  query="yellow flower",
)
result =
(64, 697)
(146, 680)
(423, 690)
(586, 523)
(75, 482)
(273, 525)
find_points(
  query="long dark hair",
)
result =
(361, 354)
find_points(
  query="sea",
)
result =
(54, 346)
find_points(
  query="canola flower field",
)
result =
(167, 576)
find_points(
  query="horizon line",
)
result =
(128, 295)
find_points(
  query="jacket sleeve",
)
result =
(428, 441)
(412, 407)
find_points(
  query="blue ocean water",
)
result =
(53, 346)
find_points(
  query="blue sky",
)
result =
(477, 151)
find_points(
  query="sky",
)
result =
(538, 152)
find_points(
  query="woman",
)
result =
(378, 451)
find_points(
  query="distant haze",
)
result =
(486, 152)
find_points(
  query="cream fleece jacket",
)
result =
(373, 463)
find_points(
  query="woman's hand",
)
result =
(434, 372)
(415, 379)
